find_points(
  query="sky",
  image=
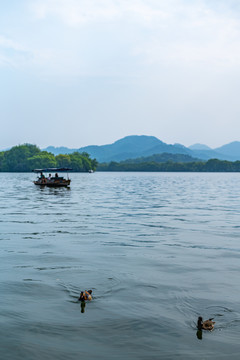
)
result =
(83, 72)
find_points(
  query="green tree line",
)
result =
(24, 158)
(212, 165)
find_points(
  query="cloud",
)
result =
(15, 55)
(161, 32)
(151, 12)
(78, 13)
(12, 53)
(93, 37)
(194, 34)
(10, 44)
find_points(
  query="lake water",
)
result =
(158, 250)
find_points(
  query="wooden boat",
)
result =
(52, 181)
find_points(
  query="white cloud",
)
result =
(80, 12)
(153, 12)
(12, 53)
(196, 34)
(16, 55)
(10, 44)
(163, 31)
(85, 36)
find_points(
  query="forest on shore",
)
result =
(25, 158)
(212, 165)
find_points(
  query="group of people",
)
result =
(50, 176)
(42, 176)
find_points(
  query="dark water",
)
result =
(158, 250)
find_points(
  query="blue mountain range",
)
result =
(136, 146)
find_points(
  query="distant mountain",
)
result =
(137, 146)
(199, 147)
(59, 150)
(211, 154)
(230, 152)
(232, 149)
(129, 147)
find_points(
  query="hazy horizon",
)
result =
(83, 72)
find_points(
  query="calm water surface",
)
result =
(158, 250)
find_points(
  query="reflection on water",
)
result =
(159, 250)
(83, 305)
(199, 334)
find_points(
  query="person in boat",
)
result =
(42, 178)
(206, 324)
(56, 175)
(41, 175)
(49, 176)
(85, 295)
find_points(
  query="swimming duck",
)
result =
(206, 325)
(85, 295)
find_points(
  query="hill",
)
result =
(26, 157)
(136, 146)
(129, 147)
(162, 158)
(232, 149)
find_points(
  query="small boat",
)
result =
(52, 181)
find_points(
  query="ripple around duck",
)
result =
(225, 317)
(88, 281)
(190, 308)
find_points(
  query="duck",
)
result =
(206, 324)
(85, 295)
